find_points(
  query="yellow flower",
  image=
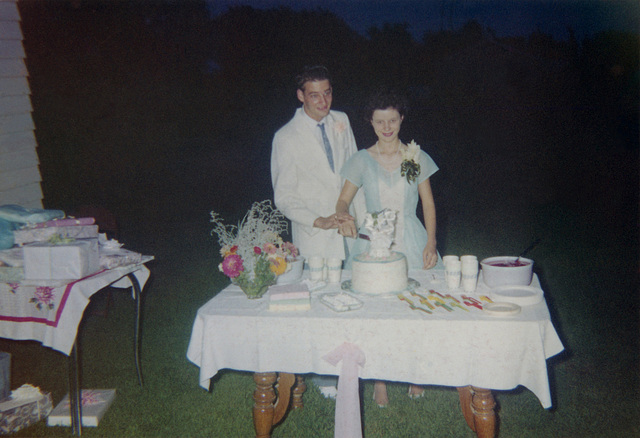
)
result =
(228, 250)
(278, 265)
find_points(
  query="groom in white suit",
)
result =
(306, 174)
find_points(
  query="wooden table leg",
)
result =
(298, 391)
(483, 405)
(465, 394)
(267, 412)
(263, 396)
(478, 409)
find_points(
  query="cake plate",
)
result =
(412, 285)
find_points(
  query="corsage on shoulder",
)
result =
(410, 167)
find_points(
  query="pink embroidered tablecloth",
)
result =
(450, 348)
(50, 311)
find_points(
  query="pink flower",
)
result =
(340, 127)
(257, 250)
(270, 248)
(290, 248)
(232, 265)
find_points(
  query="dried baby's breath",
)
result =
(262, 224)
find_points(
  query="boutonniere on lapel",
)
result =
(339, 127)
(409, 167)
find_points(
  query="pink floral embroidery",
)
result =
(340, 127)
(44, 297)
(13, 287)
(89, 398)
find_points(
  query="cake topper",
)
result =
(381, 227)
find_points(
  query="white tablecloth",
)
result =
(50, 311)
(456, 348)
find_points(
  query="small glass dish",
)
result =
(341, 301)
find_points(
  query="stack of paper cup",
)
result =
(334, 270)
(452, 270)
(469, 271)
(316, 268)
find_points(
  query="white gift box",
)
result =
(29, 235)
(95, 403)
(69, 261)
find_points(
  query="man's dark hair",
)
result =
(310, 74)
(384, 99)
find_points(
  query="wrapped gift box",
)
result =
(112, 258)
(73, 260)
(21, 413)
(95, 403)
(29, 235)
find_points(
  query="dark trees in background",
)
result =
(145, 100)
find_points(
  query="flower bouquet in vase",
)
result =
(253, 253)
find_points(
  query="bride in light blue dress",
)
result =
(393, 175)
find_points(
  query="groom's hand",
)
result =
(348, 228)
(326, 223)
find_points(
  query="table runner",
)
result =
(455, 348)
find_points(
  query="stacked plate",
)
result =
(520, 295)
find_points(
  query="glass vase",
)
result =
(255, 289)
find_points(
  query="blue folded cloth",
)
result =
(22, 215)
(13, 217)
(6, 234)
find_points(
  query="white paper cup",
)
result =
(334, 270)
(452, 273)
(449, 258)
(469, 283)
(469, 266)
(466, 258)
(469, 272)
(316, 268)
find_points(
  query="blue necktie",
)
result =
(327, 146)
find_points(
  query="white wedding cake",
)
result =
(380, 270)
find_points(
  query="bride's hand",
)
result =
(429, 257)
(344, 217)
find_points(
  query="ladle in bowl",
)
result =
(529, 248)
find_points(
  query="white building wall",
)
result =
(19, 171)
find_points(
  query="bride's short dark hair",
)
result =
(384, 99)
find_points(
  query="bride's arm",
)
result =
(429, 254)
(347, 225)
